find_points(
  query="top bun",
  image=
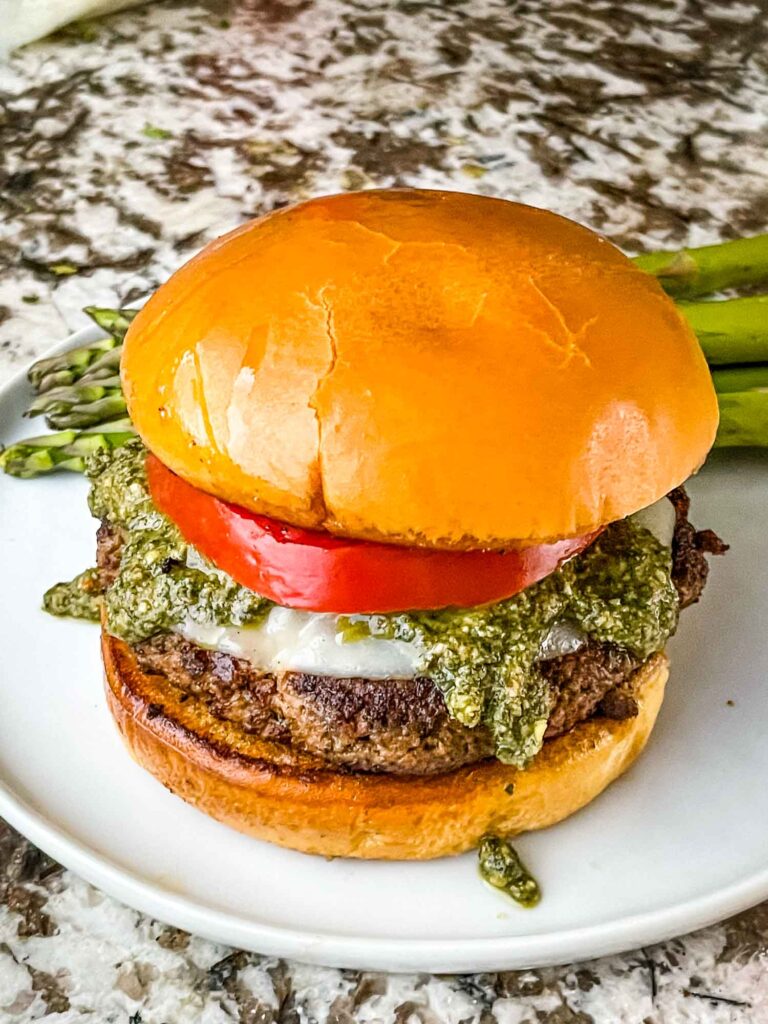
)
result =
(421, 367)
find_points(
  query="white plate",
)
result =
(679, 842)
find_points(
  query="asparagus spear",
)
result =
(743, 419)
(106, 365)
(114, 322)
(63, 399)
(687, 273)
(730, 331)
(69, 367)
(75, 362)
(87, 414)
(56, 379)
(80, 395)
(740, 378)
(66, 449)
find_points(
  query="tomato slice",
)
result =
(316, 571)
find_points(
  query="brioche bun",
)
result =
(231, 776)
(421, 367)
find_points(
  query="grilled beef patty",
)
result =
(689, 547)
(399, 726)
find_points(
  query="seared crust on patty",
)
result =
(395, 725)
(583, 682)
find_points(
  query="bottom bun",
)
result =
(228, 774)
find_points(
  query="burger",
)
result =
(394, 562)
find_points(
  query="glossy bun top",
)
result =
(421, 367)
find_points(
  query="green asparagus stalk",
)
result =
(114, 322)
(106, 365)
(87, 414)
(80, 395)
(56, 379)
(65, 450)
(63, 399)
(730, 331)
(75, 363)
(739, 378)
(688, 273)
(743, 419)
(69, 367)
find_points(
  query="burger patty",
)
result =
(399, 726)
(689, 548)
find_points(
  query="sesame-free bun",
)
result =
(421, 367)
(234, 776)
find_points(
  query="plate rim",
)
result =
(540, 949)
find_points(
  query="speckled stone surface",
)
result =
(126, 144)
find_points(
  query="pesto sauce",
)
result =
(155, 590)
(80, 598)
(484, 659)
(501, 867)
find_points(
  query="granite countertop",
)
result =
(128, 143)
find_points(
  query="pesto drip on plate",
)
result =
(500, 866)
(483, 660)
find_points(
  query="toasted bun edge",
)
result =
(228, 775)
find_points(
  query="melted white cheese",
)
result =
(659, 519)
(294, 641)
(563, 638)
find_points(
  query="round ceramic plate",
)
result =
(678, 842)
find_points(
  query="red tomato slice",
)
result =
(319, 572)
